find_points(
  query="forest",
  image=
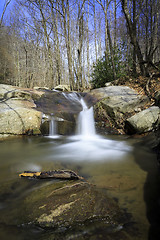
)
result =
(80, 43)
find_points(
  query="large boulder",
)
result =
(116, 103)
(118, 100)
(143, 121)
(21, 110)
(82, 202)
(20, 121)
(68, 207)
(17, 111)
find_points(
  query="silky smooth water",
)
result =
(52, 127)
(125, 167)
(85, 124)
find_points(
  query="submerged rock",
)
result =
(72, 204)
(68, 208)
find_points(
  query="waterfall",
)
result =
(85, 120)
(86, 125)
(52, 127)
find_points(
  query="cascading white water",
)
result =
(86, 145)
(86, 124)
(73, 96)
(52, 127)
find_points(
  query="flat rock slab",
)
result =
(58, 102)
(113, 91)
(9, 92)
(118, 100)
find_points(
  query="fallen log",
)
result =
(56, 174)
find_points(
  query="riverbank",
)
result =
(123, 107)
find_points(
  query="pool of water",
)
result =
(123, 166)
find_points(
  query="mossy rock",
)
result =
(68, 208)
(69, 204)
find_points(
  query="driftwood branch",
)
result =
(56, 174)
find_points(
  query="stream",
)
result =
(122, 165)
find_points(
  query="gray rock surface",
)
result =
(115, 105)
(8, 91)
(17, 112)
(21, 109)
(118, 100)
(143, 121)
(20, 121)
(63, 87)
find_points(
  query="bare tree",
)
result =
(105, 7)
(7, 2)
(144, 60)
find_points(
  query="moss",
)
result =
(55, 213)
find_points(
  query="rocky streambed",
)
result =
(117, 109)
(77, 206)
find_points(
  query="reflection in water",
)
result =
(151, 193)
(118, 166)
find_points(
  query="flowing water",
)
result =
(123, 166)
(86, 127)
(52, 127)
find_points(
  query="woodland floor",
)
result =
(143, 85)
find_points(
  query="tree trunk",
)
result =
(44, 25)
(111, 51)
(135, 34)
(133, 37)
(66, 26)
(115, 23)
(56, 43)
(95, 29)
(88, 55)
